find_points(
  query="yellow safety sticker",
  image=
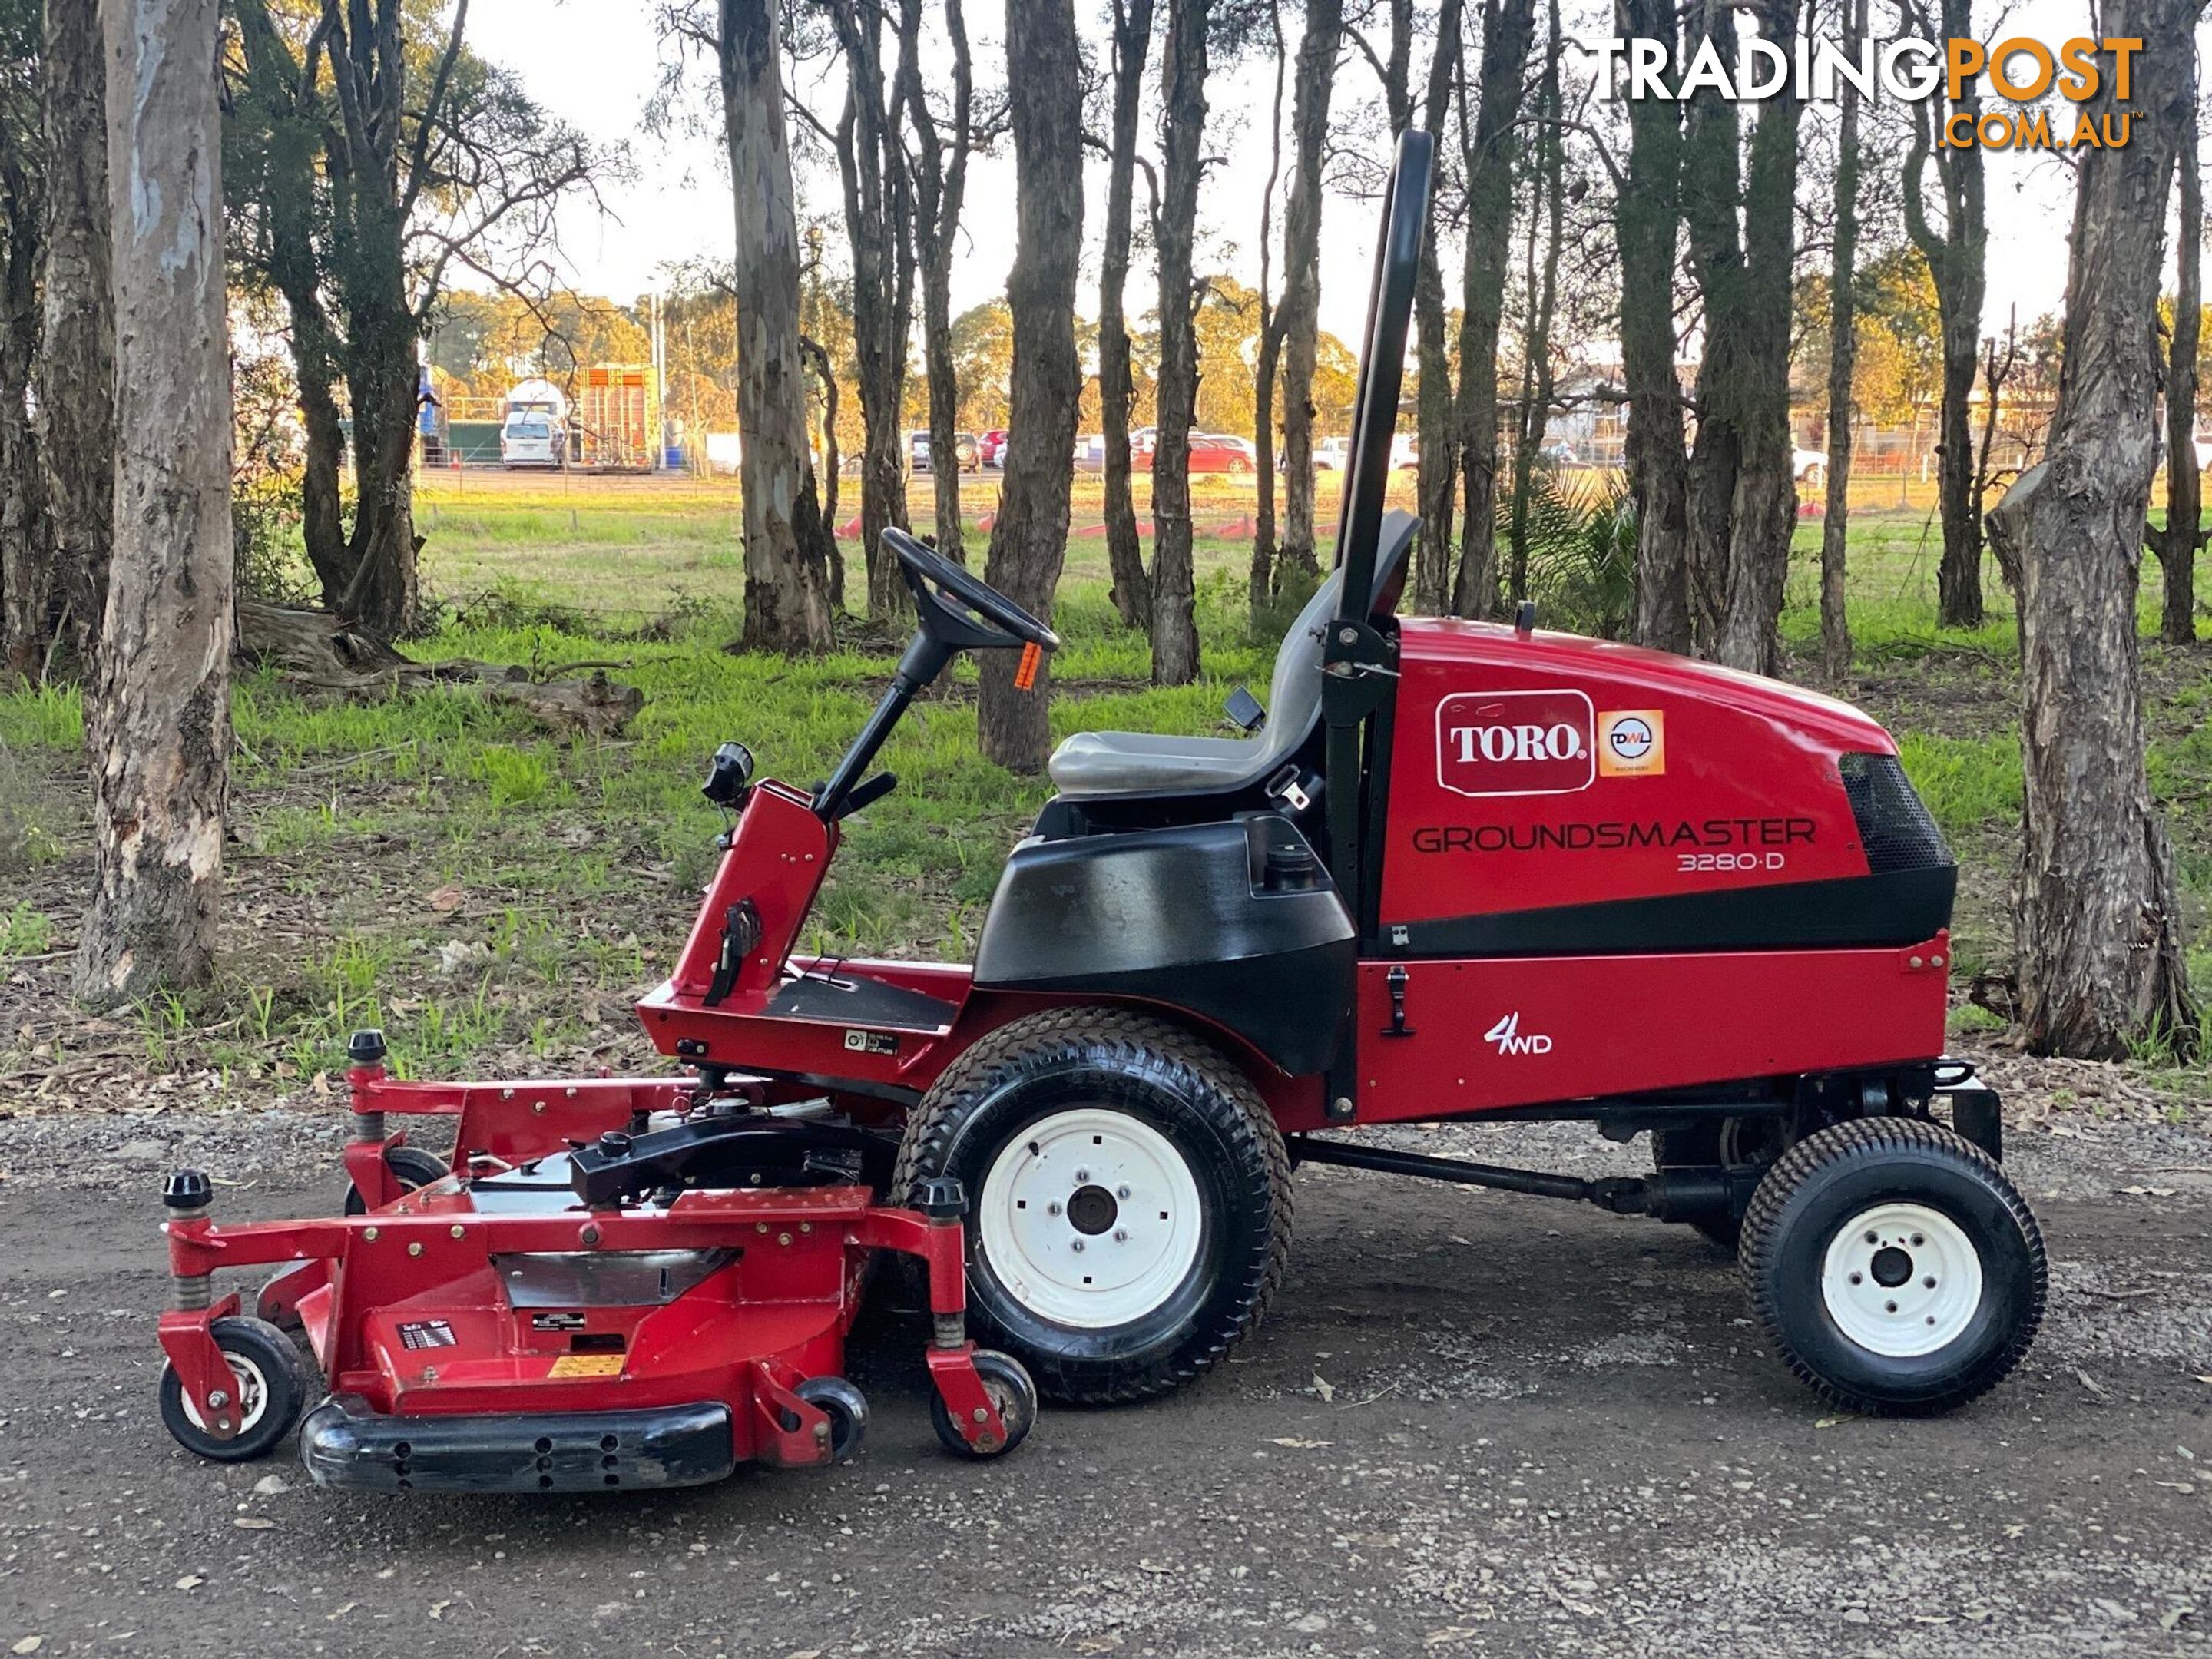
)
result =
(587, 1365)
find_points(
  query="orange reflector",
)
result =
(1025, 674)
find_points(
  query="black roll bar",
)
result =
(1383, 368)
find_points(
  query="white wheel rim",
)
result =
(1901, 1280)
(1090, 1218)
(250, 1400)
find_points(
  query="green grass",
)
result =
(439, 865)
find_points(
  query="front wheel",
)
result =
(1129, 1195)
(269, 1391)
(1893, 1267)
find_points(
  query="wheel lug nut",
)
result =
(1120, 1235)
(1873, 1238)
(1892, 1306)
(1077, 1247)
(1929, 1282)
(1855, 1279)
(1122, 1192)
(1082, 1175)
(1052, 1208)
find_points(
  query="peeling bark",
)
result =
(160, 757)
(2177, 542)
(2099, 931)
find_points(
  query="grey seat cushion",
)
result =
(1092, 764)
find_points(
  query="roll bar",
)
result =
(1382, 368)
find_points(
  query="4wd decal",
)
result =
(1507, 1035)
(1516, 743)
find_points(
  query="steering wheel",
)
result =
(922, 564)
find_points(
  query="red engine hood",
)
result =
(1481, 650)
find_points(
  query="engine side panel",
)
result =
(1482, 1035)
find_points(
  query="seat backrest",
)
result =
(1294, 694)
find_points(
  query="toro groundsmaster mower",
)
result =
(1462, 872)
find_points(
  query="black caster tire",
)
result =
(847, 1408)
(414, 1169)
(1126, 1285)
(1013, 1396)
(1893, 1267)
(1734, 1143)
(273, 1387)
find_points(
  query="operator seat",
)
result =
(1093, 765)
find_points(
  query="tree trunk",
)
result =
(27, 561)
(1029, 539)
(1182, 122)
(161, 766)
(77, 349)
(1125, 559)
(940, 167)
(1843, 356)
(1536, 379)
(879, 233)
(786, 542)
(1261, 580)
(825, 378)
(1763, 515)
(287, 115)
(1438, 470)
(2100, 963)
(1712, 203)
(1488, 148)
(1299, 315)
(1646, 217)
(2178, 543)
(1957, 261)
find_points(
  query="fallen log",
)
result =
(326, 653)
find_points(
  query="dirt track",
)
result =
(1548, 1431)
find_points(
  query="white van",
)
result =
(533, 428)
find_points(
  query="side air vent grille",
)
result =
(1894, 827)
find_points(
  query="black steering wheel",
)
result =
(922, 564)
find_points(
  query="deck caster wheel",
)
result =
(1893, 1267)
(1130, 1198)
(271, 1391)
(1734, 1143)
(847, 1408)
(412, 1166)
(1013, 1396)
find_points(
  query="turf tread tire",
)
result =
(1124, 1040)
(1783, 1178)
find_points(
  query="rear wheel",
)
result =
(846, 1408)
(1129, 1203)
(1893, 1267)
(1013, 1395)
(413, 1168)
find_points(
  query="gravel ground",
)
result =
(1473, 1424)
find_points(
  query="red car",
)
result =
(1212, 452)
(991, 448)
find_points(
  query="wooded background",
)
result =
(1704, 292)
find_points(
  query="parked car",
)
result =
(1333, 455)
(991, 448)
(965, 450)
(1404, 453)
(1809, 467)
(1210, 452)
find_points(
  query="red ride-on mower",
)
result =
(1463, 872)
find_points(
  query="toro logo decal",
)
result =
(1516, 743)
